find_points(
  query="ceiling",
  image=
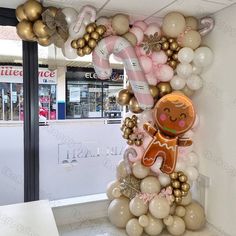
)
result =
(139, 9)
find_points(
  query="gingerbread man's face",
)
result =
(174, 114)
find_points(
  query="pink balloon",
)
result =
(143, 52)
(146, 141)
(146, 64)
(164, 72)
(183, 151)
(138, 33)
(137, 50)
(159, 57)
(151, 78)
(139, 150)
(152, 29)
(141, 24)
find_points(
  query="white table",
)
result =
(27, 219)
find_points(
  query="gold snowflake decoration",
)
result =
(151, 43)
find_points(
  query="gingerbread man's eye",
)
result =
(183, 116)
(167, 109)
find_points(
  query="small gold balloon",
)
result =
(100, 30)
(134, 117)
(25, 30)
(125, 136)
(92, 43)
(131, 124)
(180, 173)
(74, 44)
(20, 14)
(185, 187)
(81, 42)
(184, 194)
(171, 40)
(178, 200)
(175, 56)
(80, 52)
(89, 28)
(40, 28)
(154, 91)
(44, 41)
(128, 86)
(165, 45)
(175, 184)
(164, 88)
(53, 10)
(174, 45)
(172, 63)
(33, 10)
(127, 119)
(163, 39)
(95, 35)
(127, 131)
(87, 50)
(174, 175)
(123, 97)
(177, 193)
(134, 106)
(86, 37)
(169, 52)
(138, 142)
(183, 178)
(130, 142)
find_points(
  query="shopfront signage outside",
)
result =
(14, 74)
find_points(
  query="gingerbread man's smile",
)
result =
(173, 120)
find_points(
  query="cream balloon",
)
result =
(138, 207)
(164, 179)
(68, 51)
(169, 220)
(159, 207)
(110, 187)
(191, 39)
(178, 226)
(154, 227)
(192, 159)
(173, 24)
(192, 173)
(185, 55)
(116, 193)
(184, 70)
(177, 83)
(187, 91)
(119, 213)
(70, 14)
(143, 220)
(194, 82)
(192, 22)
(180, 211)
(140, 171)
(186, 200)
(121, 171)
(196, 69)
(203, 57)
(133, 228)
(150, 185)
(195, 217)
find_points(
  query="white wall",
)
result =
(216, 142)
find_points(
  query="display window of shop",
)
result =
(87, 97)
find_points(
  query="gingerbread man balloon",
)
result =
(174, 115)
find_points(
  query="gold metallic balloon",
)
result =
(92, 43)
(164, 88)
(174, 175)
(185, 187)
(134, 117)
(174, 45)
(130, 142)
(175, 56)
(131, 124)
(33, 10)
(87, 50)
(86, 37)
(20, 14)
(154, 91)
(183, 178)
(74, 44)
(138, 143)
(95, 35)
(178, 200)
(128, 131)
(81, 42)
(175, 184)
(171, 40)
(80, 52)
(163, 39)
(25, 30)
(180, 173)
(177, 193)
(169, 52)
(127, 120)
(125, 136)
(172, 63)
(90, 28)
(184, 193)
(165, 45)
(44, 41)
(40, 29)
(134, 106)
(128, 86)
(53, 10)
(100, 29)
(123, 97)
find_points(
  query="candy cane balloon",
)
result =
(77, 28)
(208, 24)
(123, 49)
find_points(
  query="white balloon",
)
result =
(68, 51)
(110, 187)
(177, 83)
(192, 159)
(140, 171)
(133, 228)
(180, 165)
(196, 69)
(192, 173)
(150, 185)
(164, 179)
(159, 207)
(121, 171)
(71, 14)
(154, 227)
(138, 207)
(185, 55)
(184, 70)
(196, 122)
(143, 220)
(203, 57)
(194, 82)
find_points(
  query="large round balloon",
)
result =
(150, 185)
(138, 207)
(33, 10)
(155, 226)
(133, 228)
(110, 188)
(191, 39)
(178, 226)
(203, 57)
(173, 24)
(159, 207)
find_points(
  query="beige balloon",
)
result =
(143, 220)
(192, 39)
(186, 200)
(131, 38)
(119, 213)
(178, 226)
(195, 217)
(150, 185)
(110, 187)
(140, 171)
(155, 226)
(121, 170)
(191, 22)
(133, 228)
(159, 207)
(138, 207)
(180, 211)
(173, 24)
(187, 91)
(169, 220)
(120, 24)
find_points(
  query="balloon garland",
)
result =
(163, 63)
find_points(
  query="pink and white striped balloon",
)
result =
(120, 47)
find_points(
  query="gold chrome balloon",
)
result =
(177, 193)
(123, 97)
(95, 35)
(178, 200)
(87, 50)
(80, 52)
(25, 30)
(154, 91)
(174, 175)
(175, 184)
(172, 63)
(138, 142)
(86, 37)
(100, 29)
(183, 178)
(175, 56)
(20, 14)
(174, 45)
(164, 88)
(169, 52)
(90, 28)
(165, 45)
(53, 10)
(127, 131)
(81, 42)
(39, 29)
(44, 41)
(185, 187)
(130, 142)
(163, 39)
(74, 44)
(92, 43)
(33, 10)
(134, 106)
